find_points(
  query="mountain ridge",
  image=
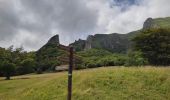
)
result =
(93, 41)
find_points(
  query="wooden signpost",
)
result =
(70, 73)
(70, 69)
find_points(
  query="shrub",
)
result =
(135, 58)
(104, 60)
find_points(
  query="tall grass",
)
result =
(106, 83)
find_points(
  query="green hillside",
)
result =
(163, 22)
(111, 83)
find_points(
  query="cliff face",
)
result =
(112, 42)
(156, 23)
(88, 43)
(150, 23)
(117, 43)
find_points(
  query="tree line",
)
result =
(16, 62)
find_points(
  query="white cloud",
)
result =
(114, 20)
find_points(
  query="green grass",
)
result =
(106, 83)
(163, 22)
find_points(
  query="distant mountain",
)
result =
(115, 42)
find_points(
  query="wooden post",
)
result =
(70, 69)
(70, 74)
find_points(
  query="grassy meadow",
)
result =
(105, 83)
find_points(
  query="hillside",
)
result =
(163, 22)
(93, 84)
(119, 43)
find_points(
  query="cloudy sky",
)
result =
(30, 23)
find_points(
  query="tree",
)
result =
(155, 45)
(4, 57)
(8, 69)
(1, 69)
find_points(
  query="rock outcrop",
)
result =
(150, 23)
(79, 45)
(54, 40)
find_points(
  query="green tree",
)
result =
(155, 45)
(4, 57)
(8, 69)
(1, 69)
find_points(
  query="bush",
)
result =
(120, 60)
(104, 60)
(135, 58)
(113, 60)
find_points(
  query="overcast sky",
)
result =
(30, 23)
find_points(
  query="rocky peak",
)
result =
(149, 23)
(54, 40)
